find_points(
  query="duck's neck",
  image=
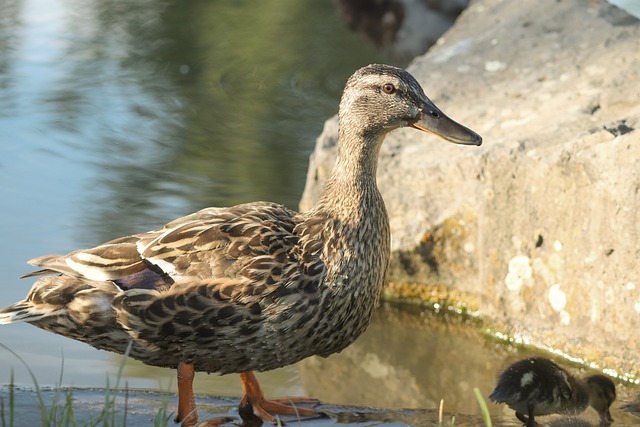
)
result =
(580, 395)
(351, 188)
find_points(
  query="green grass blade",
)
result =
(46, 422)
(3, 415)
(69, 416)
(61, 414)
(483, 407)
(126, 403)
(12, 399)
(57, 410)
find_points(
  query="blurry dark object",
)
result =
(403, 28)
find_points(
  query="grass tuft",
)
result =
(60, 411)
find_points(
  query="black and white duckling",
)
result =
(538, 386)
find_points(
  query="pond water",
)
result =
(118, 116)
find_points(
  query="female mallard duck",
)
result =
(252, 287)
(537, 386)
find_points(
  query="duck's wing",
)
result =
(109, 261)
(252, 240)
(204, 288)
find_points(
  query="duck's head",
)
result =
(380, 98)
(602, 393)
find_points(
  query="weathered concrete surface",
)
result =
(540, 225)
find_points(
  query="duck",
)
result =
(538, 386)
(252, 287)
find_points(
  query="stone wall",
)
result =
(541, 224)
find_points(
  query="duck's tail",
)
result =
(84, 310)
(24, 311)
(62, 296)
(44, 299)
(502, 395)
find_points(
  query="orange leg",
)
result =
(266, 409)
(187, 413)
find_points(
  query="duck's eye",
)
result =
(389, 88)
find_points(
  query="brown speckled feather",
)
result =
(250, 287)
(214, 289)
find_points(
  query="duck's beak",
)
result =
(434, 121)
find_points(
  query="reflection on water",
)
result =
(410, 358)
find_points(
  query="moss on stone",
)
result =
(435, 297)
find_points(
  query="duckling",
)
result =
(252, 287)
(538, 386)
(602, 394)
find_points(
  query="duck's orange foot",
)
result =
(267, 410)
(214, 422)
